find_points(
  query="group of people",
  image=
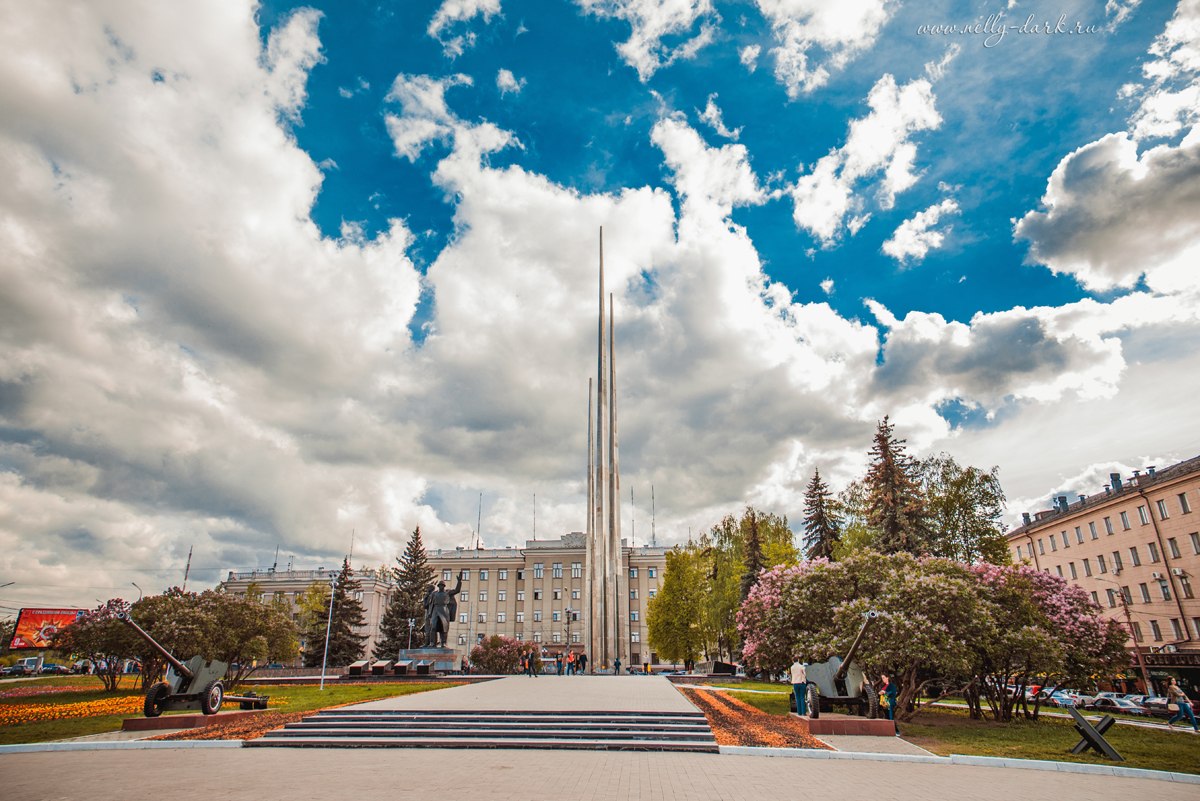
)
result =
(798, 673)
(571, 664)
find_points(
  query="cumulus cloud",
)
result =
(816, 38)
(1111, 215)
(748, 55)
(915, 237)
(424, 117)
(1170, 101)
(653, 21)
(506, 82)
(449, 22)
(714, 178)
(877, 143)
(712, 116)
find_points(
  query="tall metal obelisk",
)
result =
(603, 559)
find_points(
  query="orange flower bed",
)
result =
(13, 714)
(735, 722)
(247, 728)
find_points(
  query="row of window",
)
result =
(1164, 589)
(1156, 630)
(539, 571)
(555, 637)
(1151, 548)
(556, 616)
(555, 594)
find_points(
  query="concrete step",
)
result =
(440, 732)
(450, 742)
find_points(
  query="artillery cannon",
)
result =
(195, 684)
(842, 682)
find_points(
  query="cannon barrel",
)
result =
(180, 668)
(869, 618)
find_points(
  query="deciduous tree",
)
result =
(964, 506)
(98, 636)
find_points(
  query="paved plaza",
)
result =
(201, 771)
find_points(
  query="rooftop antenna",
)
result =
(350, 556)
(187, 569)
(276, 562)
(632, 519)
(653, 540)
(479, 523)
(535, 516)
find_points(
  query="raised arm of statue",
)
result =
(457, 584)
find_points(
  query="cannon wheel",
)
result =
(156, 699)
(870, 701)
(214, 694)
(814, 706)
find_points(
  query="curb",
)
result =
(129, 745)
(962, 759)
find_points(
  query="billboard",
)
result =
(37, 627)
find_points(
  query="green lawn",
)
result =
(84, 689)
(950, 731)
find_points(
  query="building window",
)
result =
(1144, 589)
(633, 594)
(556, 637)
(1100, 563)
(1041, 547)
(479, 638)
(1195, 537)
(1137, 632)
(520, 595)
(633, 616)
(501, 595)
(520, 575)
(1176, 629)
(1079, 534)
(577, 570)
(556, 616)
(466, 574)
(1127, 595)
(502, 575)
(1087, 567)
(635, 636)
(502, 617)
(1092, 529)
(557, 594)
(1117, 565)
(537, 595)
(537, 636)
(1143, 515)
(1134, 559)
(633, 572)
(1165, 588)
(1125, 521)
(445, 575)
(652, 592)
(1155, 631)
(1019, 557)
(1074, 572)
(1185, 586)
(483, 617)
(1095, 598)
(1184, 507)
(574, 595)
(520, 619)
(1053, 543)
(575, 636)
(1153, 546)
(652, 572)
(1196, 627)
(462, 617)
(1066, 540)
(537, 615)
(483, 596)
(1162, 510)
(462, 639)
(1173, 547)
(556, 570)
(1112, 598)
(538, 570)
(1059, 569)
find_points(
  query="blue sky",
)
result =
(292, 273)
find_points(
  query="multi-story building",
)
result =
(1135, 548)
(536, 594)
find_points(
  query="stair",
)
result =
(603, 731)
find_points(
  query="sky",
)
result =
(285, 280)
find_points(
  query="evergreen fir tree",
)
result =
(822, 524)
(412, 577)
(895, 501)
(346, 645)
(753, 554)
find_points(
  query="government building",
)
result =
(534, 594)
(1134, 546)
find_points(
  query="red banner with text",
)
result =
(37, 627)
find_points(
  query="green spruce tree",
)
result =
(346, 645)
(822, 524)
(895, 501)
(412, 577)
(753, 553)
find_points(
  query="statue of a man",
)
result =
(441, 606)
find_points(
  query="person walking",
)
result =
(799, 676)
(617, 666)
(1176, 694)
(571, 663)
(581, 664)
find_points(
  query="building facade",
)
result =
(536, 594)
(1135, 548)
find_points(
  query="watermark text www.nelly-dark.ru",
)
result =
(996, 26)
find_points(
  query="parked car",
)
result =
(1059, 699)
(51, 669)
(1119, 705)
(1160, 707)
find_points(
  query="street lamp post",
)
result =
(328, 626)
(412, 621)
(1137, 649)
(139, 589)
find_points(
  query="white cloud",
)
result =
(748, 55)
(714, 178)
(914, 238)
(1111, 215)
(827, 286)
(1171, 101)
(878, 142)
(815, 38)
(506, 82)
(424, 117)
(712, 116)
(652, 21)
(1118, 11)
(454, 15)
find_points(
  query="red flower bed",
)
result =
(735, 722)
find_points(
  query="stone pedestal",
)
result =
(429, 661)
